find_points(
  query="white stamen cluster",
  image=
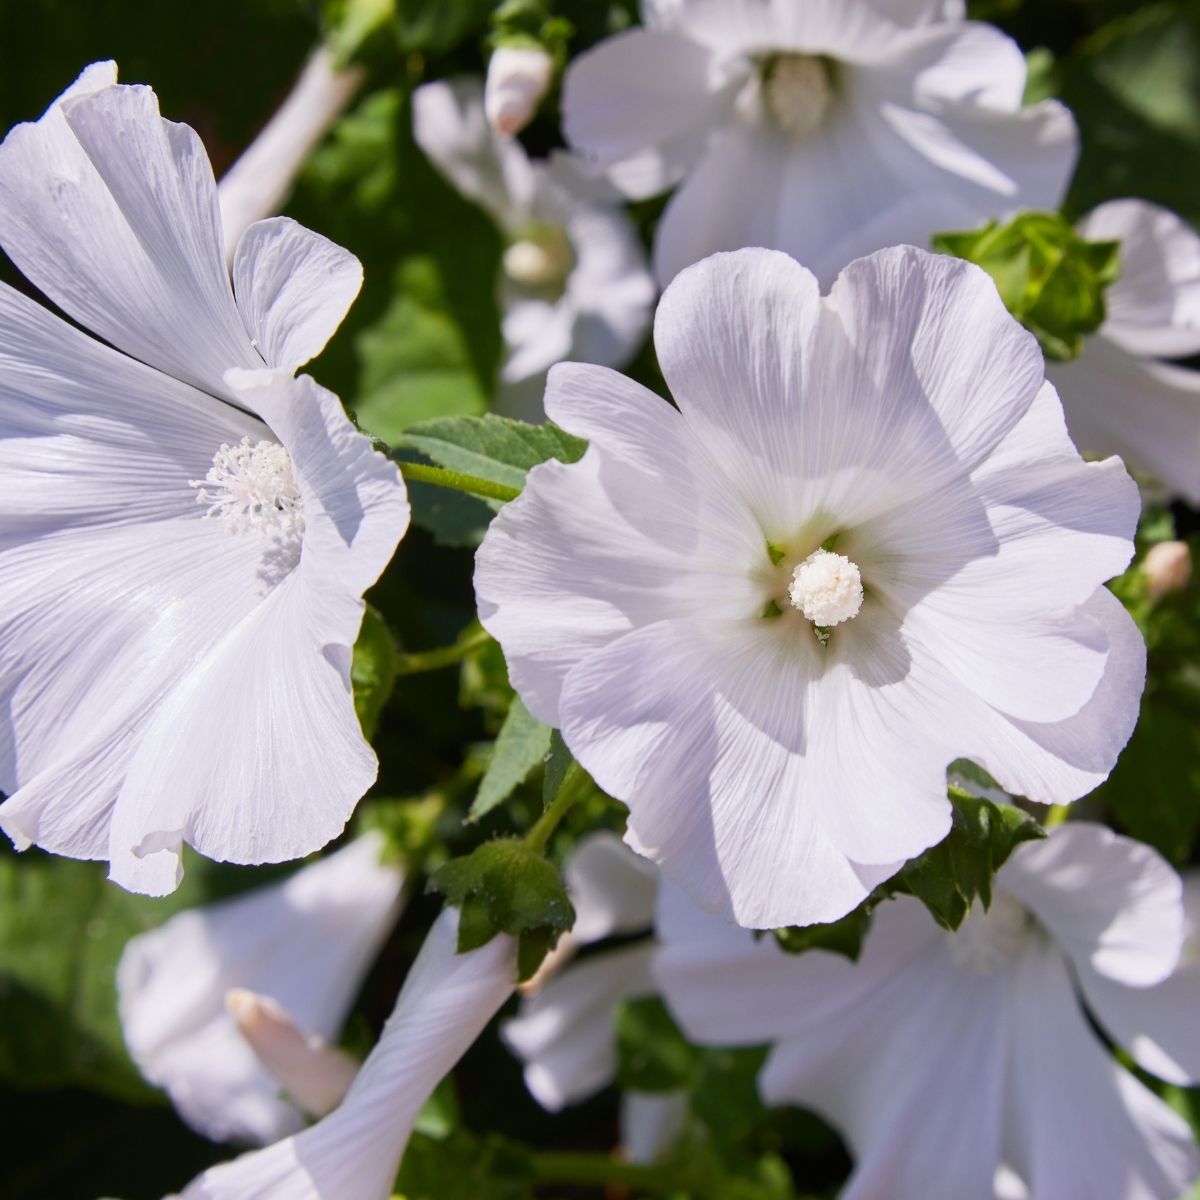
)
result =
(826, 588)
(988, 941)
(798, 93)
(539, 261)
(251, 488)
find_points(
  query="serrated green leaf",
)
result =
(951, 876)
(844, 937)
(522, 744)
(1049, 278)
(494, 448)
(372, 670)
(505, 887)
(652, 1053)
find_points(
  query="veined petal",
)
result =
(446, 1002)
(1154, 306)
(565, 1034)
(1078, 1124)
(1113, 904)
(112, 212)
(1147, 412)
(293, 289)
(612, 889)
(306, 942)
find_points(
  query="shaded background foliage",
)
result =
(422, 341)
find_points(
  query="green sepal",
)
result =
(505, 887)
(844, 937)
(1049, 278)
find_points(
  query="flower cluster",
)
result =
(793, 646)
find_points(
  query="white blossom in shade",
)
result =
(565, 1031)
(969, 1058)
(186, 529)
(827, 129)
(574, 281)
(1118, 397)
(306, 943)
(517, 79)
(776, 769)
(260, 180)
(354, 1153)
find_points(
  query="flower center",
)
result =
(826, 588)
(798, 90)
(251, 488)
(542, 258)
(987, 941)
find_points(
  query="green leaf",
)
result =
(437, 25)
(951, 876)
(493, 448)
(844, 937)
(372, 670)
(505, 887)
(523, 742)
(652, 1053)
(1049, 278)
(558, 762)
(461, 1166)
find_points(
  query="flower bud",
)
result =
(1167, 568)
(517, 79)
(315, 1074)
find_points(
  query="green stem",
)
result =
(443, 656)
(456, 480)
(597, 1170)
(573, 785)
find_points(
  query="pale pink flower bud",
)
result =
(1168, 568)
(517, 79)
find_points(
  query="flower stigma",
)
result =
(251, 488)
(989, 940)
(826, 588)
(799, 91)
(542, 258)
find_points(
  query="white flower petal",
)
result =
(446, 1002)
(1157, 1025)
(1147, 412)
(293, 289)
(306, 942)
(652, 1124)
(906, 1057)
(1078, 1124)
(112, 212)
(1113, 904)
(451, 128)
(642, 105)
(566, 1033)
(1154, 307)
(612, 889)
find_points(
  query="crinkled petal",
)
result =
(112, 212)
(1154, 306)
(306, 942)
(565, 1034)
(1114, 905)
(293, 289)
(1078, 1124)
(1147, 412)
(447, 1000)
(612, 889)
(643, 104)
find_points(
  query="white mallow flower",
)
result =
(651, 599)
(260, 180)
(289, 954)
(574, 281)
(1119, 399)
(186, 530)
(354, 1153)
(565, 1031)
(828, 128)
(517, 79)
(969, 1059)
